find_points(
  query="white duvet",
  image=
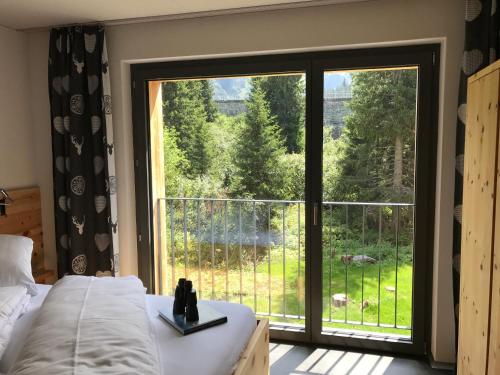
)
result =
(91, 325)
(13, 301)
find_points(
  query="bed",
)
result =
(242, 343)
(239, 347)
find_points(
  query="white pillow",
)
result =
(15, 262)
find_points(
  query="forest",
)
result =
(235, 162)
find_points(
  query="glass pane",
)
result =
(368, 200)
(233, 214)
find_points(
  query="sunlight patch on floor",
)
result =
(277, 352)
(335, 362)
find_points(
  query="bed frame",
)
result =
(23, 217)
(255, 358)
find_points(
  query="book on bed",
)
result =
(208, 318)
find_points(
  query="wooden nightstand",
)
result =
(44, 276)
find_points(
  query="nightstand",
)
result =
(44, 276)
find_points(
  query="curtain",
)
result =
(480, 49)
(83, 152)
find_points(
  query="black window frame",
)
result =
(425, 56)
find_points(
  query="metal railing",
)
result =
(252, 251)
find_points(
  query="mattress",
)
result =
(214, 351)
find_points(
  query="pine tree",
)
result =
(174, 162)
(258, 149)
(207, 92)
(380, 136)
(184, 111)
(285, 95)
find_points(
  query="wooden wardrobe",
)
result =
(479, 327)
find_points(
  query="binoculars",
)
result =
(185, 302)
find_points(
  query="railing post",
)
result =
(269, 254)
(198, 245)
(172, 240)
(298, 261)
(379, 262)
(226, 254)
(397, 265)
(159, 227)
(346, 260)
(330, 264)
(284, 261)
(184, 227)
(213, 245)
(363, 266)
(240, 255)
(254, 258)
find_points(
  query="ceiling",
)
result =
(30, 14)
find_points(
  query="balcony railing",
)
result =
(252, 252)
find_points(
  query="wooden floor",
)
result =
(302, 360)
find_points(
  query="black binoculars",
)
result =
(185, 302)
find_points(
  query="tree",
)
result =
(285, 95)
(258, 149)
(207, 93)
(174, 162)
(184, 111)
(380, 136)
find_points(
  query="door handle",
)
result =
(315, 213)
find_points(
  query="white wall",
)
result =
(335, 26)
(17, 167)
(25, 156)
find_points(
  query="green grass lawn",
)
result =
(360, 282)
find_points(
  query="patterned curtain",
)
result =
(481, 48)
(83, 157)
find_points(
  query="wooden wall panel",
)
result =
(157, 180)
(494, 345)
(23, 217)
(477, 223)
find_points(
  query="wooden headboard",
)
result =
(24, 217)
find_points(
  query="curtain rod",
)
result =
(202, 14)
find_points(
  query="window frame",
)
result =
(425, 56)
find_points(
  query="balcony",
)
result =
(253, 252)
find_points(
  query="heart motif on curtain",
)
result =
(64, 241)
(57, 85)
(93, 83)
(58, 124)
(98, 165)
(59, 44)
(472, 10)
(90, 42)
(60, 164)
(62, 203)
(472, 60)
(66, 123)
(462, 112)
(65, 83)
(100, 203)
(102, 241)
(95, 123)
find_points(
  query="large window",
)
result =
(300, 185)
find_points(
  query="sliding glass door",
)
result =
(299, 185)
(234, 172)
